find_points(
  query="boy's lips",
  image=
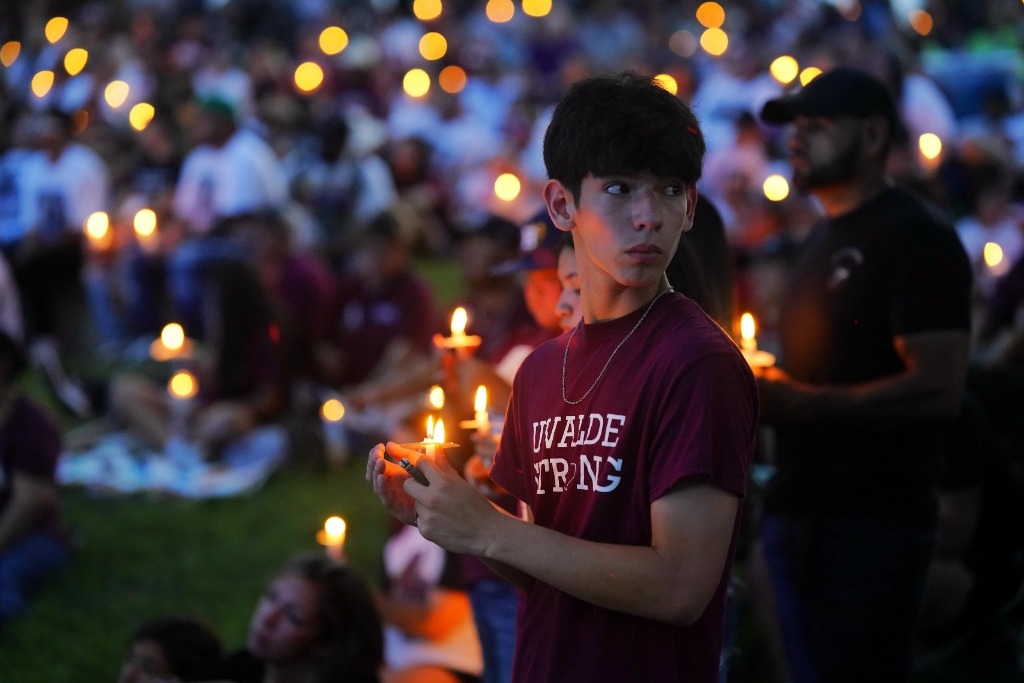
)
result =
(646, 253)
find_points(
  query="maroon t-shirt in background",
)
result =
(30, 443)
(366, 322)
(677, 402)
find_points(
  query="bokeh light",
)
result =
(55, 29)
(173, 336)
(930, 145)
(452, 79)
(416, 83)
(116, 94)
(711, 15)
(993, 255)
(500, 11)
(144, 222)
(333, 410)
(140, 115)
(183, 385)
(714, 41)
(809, 74)
(433, 46)
(537, 8)
(784, 69)
(426, 10)
(683, 43)
(333, 40)
(921, 22)
(776, 187)
(667, 82)
(97, 225)
(308, 76)
(9, 52)
(507, 187)
(41, 83)
(75, 60)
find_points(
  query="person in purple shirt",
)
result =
(627, 439)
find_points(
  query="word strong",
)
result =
(595, 472)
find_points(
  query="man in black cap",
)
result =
(873, 334)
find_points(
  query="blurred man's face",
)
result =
(824, 152)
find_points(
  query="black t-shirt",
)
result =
(889, 268)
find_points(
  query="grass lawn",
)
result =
(138, 557)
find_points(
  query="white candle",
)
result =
(748, 342)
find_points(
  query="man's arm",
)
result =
(930, 386)
(29, 497)
(672, 580)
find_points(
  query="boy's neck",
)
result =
(613, 302)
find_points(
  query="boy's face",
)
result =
(628, 227)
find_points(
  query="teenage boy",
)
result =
(627, 439)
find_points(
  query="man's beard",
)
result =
(839, 170)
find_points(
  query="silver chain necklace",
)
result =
(565, 358)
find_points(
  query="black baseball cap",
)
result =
(843, 91)
(539, 243)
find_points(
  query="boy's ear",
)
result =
(691, 205)
(561, 206)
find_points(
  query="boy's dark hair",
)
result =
(188, 644)
(623, 124)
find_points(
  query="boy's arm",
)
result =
(672, 580)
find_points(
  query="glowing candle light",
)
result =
(714, 41)
(458, 339)
(452, 79)
(748, 343)
(97, 229)
(183, 385)
(784, 69)
(41, 83)
(667, 83)
(809, 74)
(140, 115)
(116, 93)
(333, 40)
(426, 10)
(711, 15)
(537, 8)
(75, 60)
(144, 222)
(335, 438)
(483, 421)
(500, 11)
(172, 343)
(416, 83)
(436, 397)
(308, 76)
(776, 187)
(9, 52)
(433, 46)
(332, 537)
(55, 29)
(507, 186)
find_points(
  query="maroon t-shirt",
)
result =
(30, 443)
(677, 402)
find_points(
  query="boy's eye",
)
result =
(673, 190)
(616, 188)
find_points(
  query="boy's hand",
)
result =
(388, 479)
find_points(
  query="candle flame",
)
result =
(438, 434)
(436, 397)
(144, 222)
(335, 527)
(97, 225)
(747, 326)
(993, 254)
(459, 320)
(480, 402)
(172, 336)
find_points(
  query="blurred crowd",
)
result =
(267, 174)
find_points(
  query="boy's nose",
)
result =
(646, 210)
